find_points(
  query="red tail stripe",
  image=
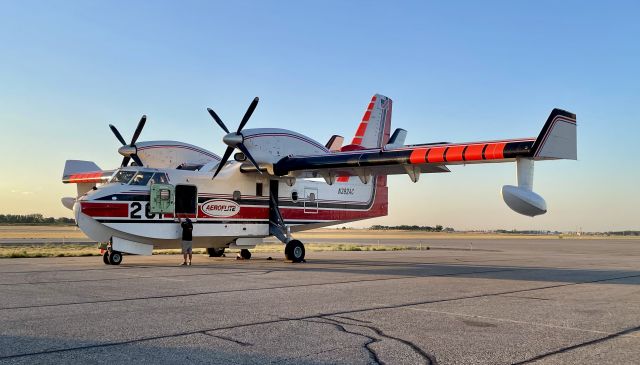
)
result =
(361, 129)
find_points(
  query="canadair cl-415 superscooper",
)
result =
(279, 182)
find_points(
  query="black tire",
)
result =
(215, 252)
(115, 258)
(294, 251)
(105, 258)
(245, 254)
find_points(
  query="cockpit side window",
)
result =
(159, 178)
(122, 177)
(141, 178)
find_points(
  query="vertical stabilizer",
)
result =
(375, 127)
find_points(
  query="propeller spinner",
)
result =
(129, 151)
(235, 139)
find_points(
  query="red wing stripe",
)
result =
(474, 152)
(418, 156)
(436, 154)
(495, 151)
(454, 154)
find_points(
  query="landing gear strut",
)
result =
(294, 251)
(245, 254)
(215, 252)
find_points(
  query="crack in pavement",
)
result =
(206, 333)
(429, 358)
(367, 345)
(579, 345)
(344, 312)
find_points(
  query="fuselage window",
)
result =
(259, 189)
(122, 177)
(159, 178)
(294, 196)
(141, 178)
(312, 197)
(237, 195)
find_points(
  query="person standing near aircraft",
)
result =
(187, 237)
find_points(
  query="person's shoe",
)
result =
(184, 264)
(189, 263)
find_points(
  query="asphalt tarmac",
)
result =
(492, 302)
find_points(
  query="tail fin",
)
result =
(558, 137)
(375, 127)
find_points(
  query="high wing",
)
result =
(557, 140)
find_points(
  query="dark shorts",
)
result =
(187, 247)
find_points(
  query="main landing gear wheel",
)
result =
(245, 254)
(215, 252)
(115, 258)
(294, 251)
(105, 258)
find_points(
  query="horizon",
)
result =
(71, 68)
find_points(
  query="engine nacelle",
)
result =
(523, 201)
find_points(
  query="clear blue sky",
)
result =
(457, 71)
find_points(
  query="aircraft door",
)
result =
(311, 200)
(162, 198)
(186, 201)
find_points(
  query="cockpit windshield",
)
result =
(122, 177)
(159, 178)
(141, 178)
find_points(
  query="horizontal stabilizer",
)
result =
(78, 172)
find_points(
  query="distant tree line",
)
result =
(437, 228)
(33, 219)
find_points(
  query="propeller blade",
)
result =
(118, 135)
(136, 134)
(244, 150)
(125, 161)
(227, 153)
(247, 115)
(137, 160)
(217, 119)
